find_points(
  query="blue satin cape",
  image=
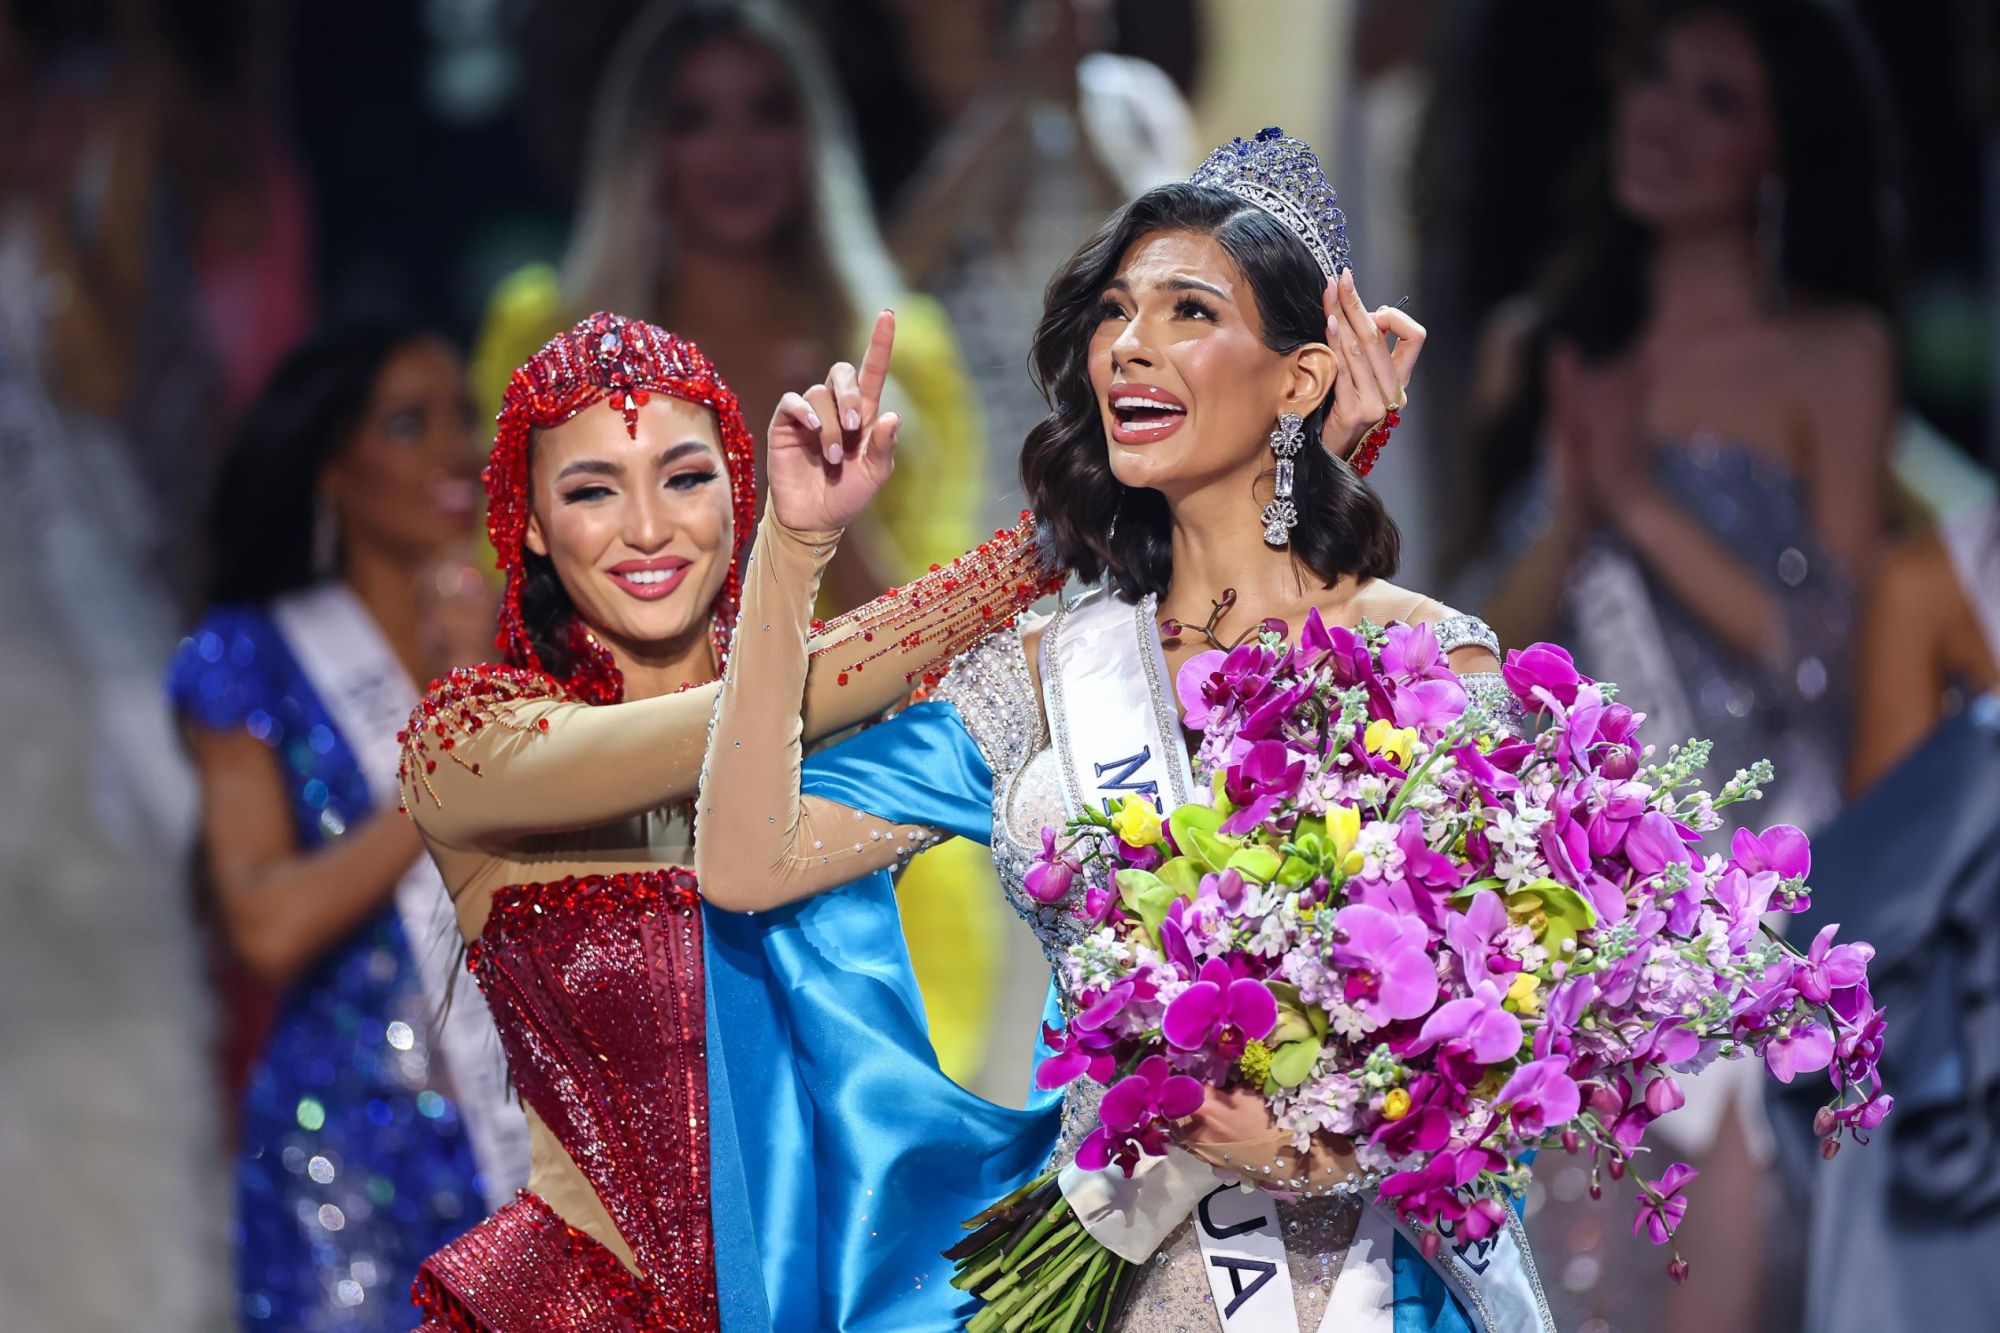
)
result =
(842, 1159)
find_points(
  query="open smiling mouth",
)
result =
(1142, 414)
(649, 580)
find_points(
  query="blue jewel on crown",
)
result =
(1282, 176)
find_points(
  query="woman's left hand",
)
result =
(1234, 1130)
(831, 448)
(1374, 379)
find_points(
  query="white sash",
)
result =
(1116, 730)
(1621, 639)
(1111, 708)
(356, 675)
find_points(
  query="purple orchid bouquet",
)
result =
(1439, 934)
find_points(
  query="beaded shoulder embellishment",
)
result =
(461, 706)
(1459, 630)
(990, 686)
(946, 611)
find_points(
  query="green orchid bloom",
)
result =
(1146, 896)
(1555, 913)
(1198, 833)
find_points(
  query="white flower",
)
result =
(1271, 938)
(1515, 836)
(1347, 1022)
(1377, 844)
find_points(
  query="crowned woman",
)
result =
(1216, 393)
(553, 792)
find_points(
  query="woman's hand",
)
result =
(1234, 1130)
(829, 450)
(1373, 379)
(461, 612)
(1595, 436)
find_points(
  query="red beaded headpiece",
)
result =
(620, 362)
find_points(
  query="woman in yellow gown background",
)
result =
(722, 199)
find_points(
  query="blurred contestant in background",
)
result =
(724, 200)
(1930, 636)
(1710, 380)
(1048, 133)
(376, 1124)
(1902, 1235)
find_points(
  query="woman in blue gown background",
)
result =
(353, 471)
(1902, 1235)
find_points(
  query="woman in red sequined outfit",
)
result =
(553, 791)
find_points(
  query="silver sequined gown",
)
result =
(995, 696)
(1794, 709)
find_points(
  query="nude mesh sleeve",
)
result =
(758, 841)
(496, 753)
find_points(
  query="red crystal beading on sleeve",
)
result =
(945, 611)
(458, 708)
(596, 986)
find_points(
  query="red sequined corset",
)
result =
(596, 986)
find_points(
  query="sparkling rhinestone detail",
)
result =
(1282, 176)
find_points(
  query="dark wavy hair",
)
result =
(547, 613)
(261, 519)
(1065, 463)
(1839, 241)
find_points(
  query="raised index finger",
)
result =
(875, 365)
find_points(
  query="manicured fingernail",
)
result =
(833, 453)
(853, 419)
(812, 418)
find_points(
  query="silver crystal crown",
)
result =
(1282, 176)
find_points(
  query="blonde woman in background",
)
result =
(722, 198)
(1049, 131)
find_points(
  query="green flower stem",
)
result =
(1001, 1308)
(1446, 743)
(1074, 1260)
(1022, 1269)
(971, 1278)
(1072, 1309)
(1009, 1203)
(1058, 1213)
(1059, 1316)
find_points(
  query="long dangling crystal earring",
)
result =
(1281, 515)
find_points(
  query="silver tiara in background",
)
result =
(1282, 176)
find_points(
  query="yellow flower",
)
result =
(1390, 741)
(1255, 1063)
(1395, 1104)
(1343, 826)
(1137, 823)
(1524, 994)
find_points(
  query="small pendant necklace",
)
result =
(1173, 630)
